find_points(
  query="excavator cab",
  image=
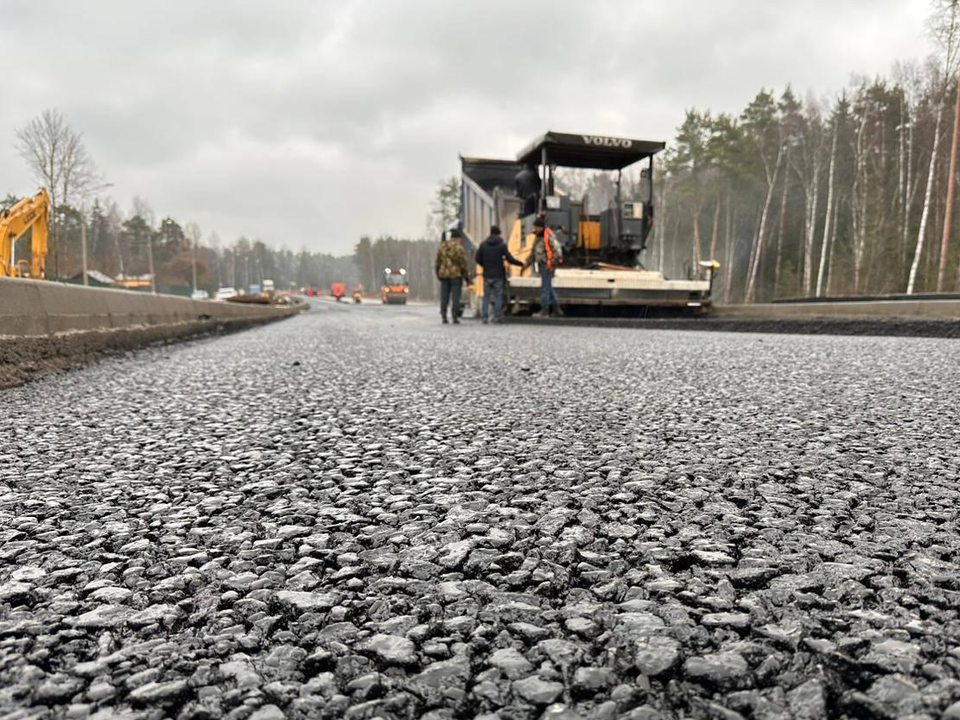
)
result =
(31, 215)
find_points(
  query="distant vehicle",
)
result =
(255, 289)
(395, 287)
(338, 289)
(268, 287)
(311, 291)
(225, 293)
(199, 295)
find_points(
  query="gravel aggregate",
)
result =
(362, 513)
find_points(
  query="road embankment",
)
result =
(900, 318)
(47, 326)
(917, 310)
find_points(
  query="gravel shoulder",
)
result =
(361, 513)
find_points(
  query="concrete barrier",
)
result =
(37, 307)
(46, 326)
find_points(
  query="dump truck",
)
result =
(603, 247)
(395, 286)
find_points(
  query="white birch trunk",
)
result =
(826, 226)
(761, 231)
(833, 244)
(918, 250)
(811, 229)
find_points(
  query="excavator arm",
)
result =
(32, 213)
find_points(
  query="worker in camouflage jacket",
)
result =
(451, 269)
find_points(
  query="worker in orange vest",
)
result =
(547, 252)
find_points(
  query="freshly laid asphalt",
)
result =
(362, 513)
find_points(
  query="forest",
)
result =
(794, 196)
(800, 197)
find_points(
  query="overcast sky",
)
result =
(308, 123)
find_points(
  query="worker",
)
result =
(548, 254)
(451, 269)
(490, 256)
(527, 186)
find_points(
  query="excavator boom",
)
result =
(32, 213)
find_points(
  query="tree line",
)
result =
(134, 244)
(802, 197)
(794, 197)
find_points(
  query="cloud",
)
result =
(312, 123)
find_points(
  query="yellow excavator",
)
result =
(30, 214)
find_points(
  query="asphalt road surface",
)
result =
(363, 513)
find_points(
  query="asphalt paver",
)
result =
(362, 513)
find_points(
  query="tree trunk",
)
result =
(911, 190)
(753, 234)
(716, 229)
(833, 244)
(858, 203)
(153, 276)
(696, 237)
(781, 230)
(810, 228)
(728, 251)
(902, 177)
(918, 251)
(762, 229)
(826, 226)
(951, 181)
(660, 228)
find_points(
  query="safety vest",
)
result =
(548, 248)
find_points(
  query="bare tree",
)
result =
(59, 160)
(58, 157)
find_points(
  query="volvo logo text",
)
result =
(607, 141)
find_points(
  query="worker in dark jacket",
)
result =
(490, 256)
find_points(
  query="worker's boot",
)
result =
(456, 320)
(445, 321)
